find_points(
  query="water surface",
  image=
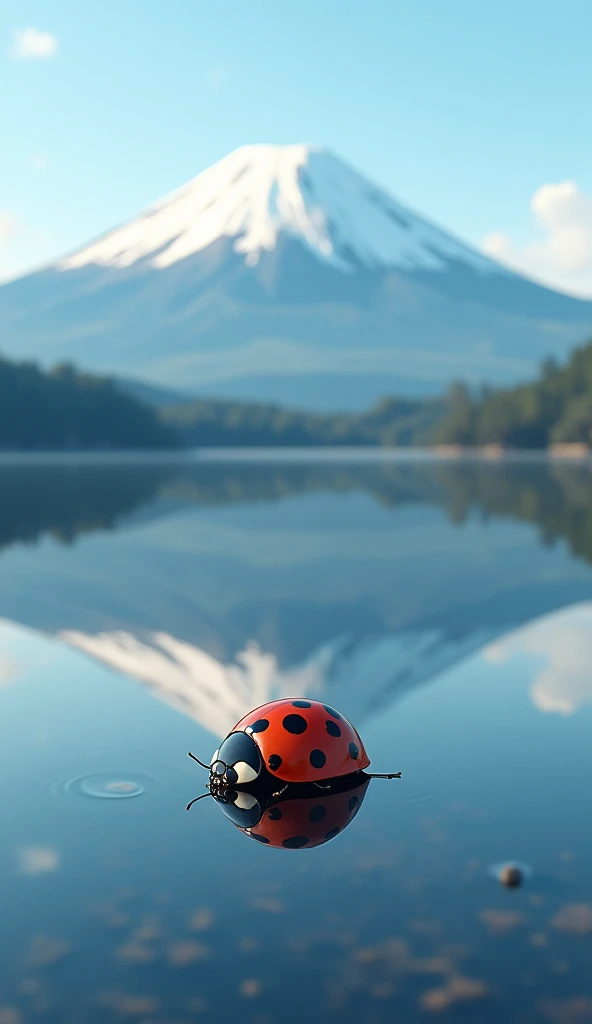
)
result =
(445, 608)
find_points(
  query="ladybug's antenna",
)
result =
(393, 775)
(206, 766)
(190, 805)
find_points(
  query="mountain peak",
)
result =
(281, 274)
(261, 191)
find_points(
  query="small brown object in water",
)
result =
(511, 876)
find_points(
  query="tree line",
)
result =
(390, 421)
(65, 409)
(556, 408)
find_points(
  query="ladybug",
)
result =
(300, 817)
(292, 740)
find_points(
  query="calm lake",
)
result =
(445, 608)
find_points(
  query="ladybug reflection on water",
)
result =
(290, 774)
(300, 815)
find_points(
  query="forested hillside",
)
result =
(555, 408)
(65, 409)
(392, 421)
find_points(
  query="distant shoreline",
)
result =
(572, 454)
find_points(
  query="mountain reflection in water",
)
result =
(221, 586)
(216, 587)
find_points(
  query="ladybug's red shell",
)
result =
(296, 824)
(304, 741)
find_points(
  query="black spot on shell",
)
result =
(317, 758)
(275, 814)
(295, 724)
(332, 712)
(295, 842)
(353, 751)
(333, 832)
(301, 704)
(274, 762)
(332, 728)
(260, 725)
(353, 803)
(260, 839)
(317, 814)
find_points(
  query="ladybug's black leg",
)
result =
(280, 791)
(393, 775)
(321, 785)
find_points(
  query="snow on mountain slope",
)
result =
(280, 274)
(367, 675)
(257, 192)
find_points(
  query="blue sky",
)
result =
(463, 110)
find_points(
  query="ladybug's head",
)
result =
(237, 763)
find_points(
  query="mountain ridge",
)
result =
(280, 274)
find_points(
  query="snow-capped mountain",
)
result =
(259, 193)
(280, 273)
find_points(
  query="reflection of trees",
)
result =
(556, 498)
(391, 485)
(65, 501)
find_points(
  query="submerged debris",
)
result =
(511, 874)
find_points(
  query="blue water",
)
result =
(446, 610)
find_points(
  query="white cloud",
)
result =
(562, 646)
(496, 653)
(31, 44)
(37, 860)
(562, 255)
